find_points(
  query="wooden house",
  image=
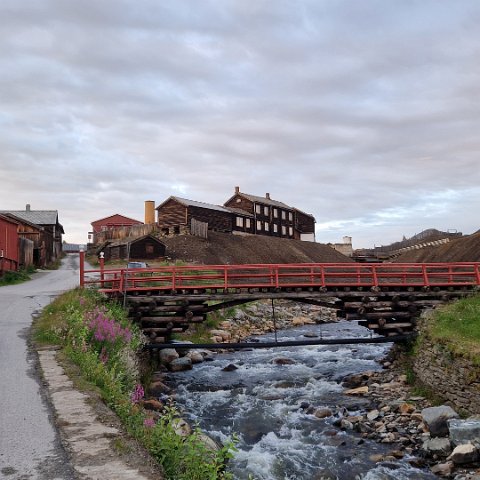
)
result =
(147, 247)
(114, 221)
(175, 215)
(270, 217)
(31, 242)
(50, 233)
(9, 251)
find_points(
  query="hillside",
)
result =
(224, 248)
(464, 249)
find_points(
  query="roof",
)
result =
(38, 217)
(23, 221)
(116, 214)
(268, 201)
(127, 240)
(193, 203)
(264, 200)
(8, 219)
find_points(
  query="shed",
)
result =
(9, 253)
(147, 247)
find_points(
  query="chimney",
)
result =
(267, 196)
(237, 190)
(27, 207)
(149, 212)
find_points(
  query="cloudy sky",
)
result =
(364, 113)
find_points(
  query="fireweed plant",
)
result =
(98, 337)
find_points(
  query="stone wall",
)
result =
(453, 378)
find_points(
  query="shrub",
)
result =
(98, 337)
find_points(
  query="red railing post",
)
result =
(173, 279)
(425, 275)
(82, 268)
(476, 266)
(225, 277)
(374, 275)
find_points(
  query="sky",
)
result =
(365, 114)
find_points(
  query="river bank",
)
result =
(378, 406)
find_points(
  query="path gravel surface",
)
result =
(48, 429)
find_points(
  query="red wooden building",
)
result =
(113, 221)
(9, 254)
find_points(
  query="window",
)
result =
(275, 213)
(259, 226)
(258, 208)
(284, 230)
(290, 231)
(176, 230)
(149, 248)
(275, 228)
(265, 211)
(247, 223)
(284, 214)
(290, 216)
(239, 222)
(267, 227)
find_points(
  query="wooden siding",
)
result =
(303, 224)
(240, 202)
(171, 214)
(217, 220)
(8, 245)
(145, 248)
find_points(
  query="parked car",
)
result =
(137, 265)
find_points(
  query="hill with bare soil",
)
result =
(224, 248)
(464, 249)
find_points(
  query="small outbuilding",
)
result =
(147, 247)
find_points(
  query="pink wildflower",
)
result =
(149, 422)
(137, 394)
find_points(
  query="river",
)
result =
(264, 404)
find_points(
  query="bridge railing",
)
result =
(305, 275)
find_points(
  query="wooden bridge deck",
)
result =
(384, 297)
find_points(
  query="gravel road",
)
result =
(30, 447)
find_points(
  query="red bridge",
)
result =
(385, 297)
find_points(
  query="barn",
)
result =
(147, 247)
(9, 254)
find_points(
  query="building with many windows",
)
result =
(241, 214)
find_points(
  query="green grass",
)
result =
(111, 367)
(13, 278)
(457, 326)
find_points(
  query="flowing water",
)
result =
(263, 403)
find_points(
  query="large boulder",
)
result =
(180, 364)
(436, 419)
(437, 446)
(462, 454)
(167, 355)
(464, 431)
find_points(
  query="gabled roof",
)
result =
(193, 203)
(23, 221)
(304, 213)
(38, 217)
(7, 218)
(263, 200)
(115, 214)
(127, 240)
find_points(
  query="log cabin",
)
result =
(241, 214)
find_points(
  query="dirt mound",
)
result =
(464, 249)
(227, 249)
